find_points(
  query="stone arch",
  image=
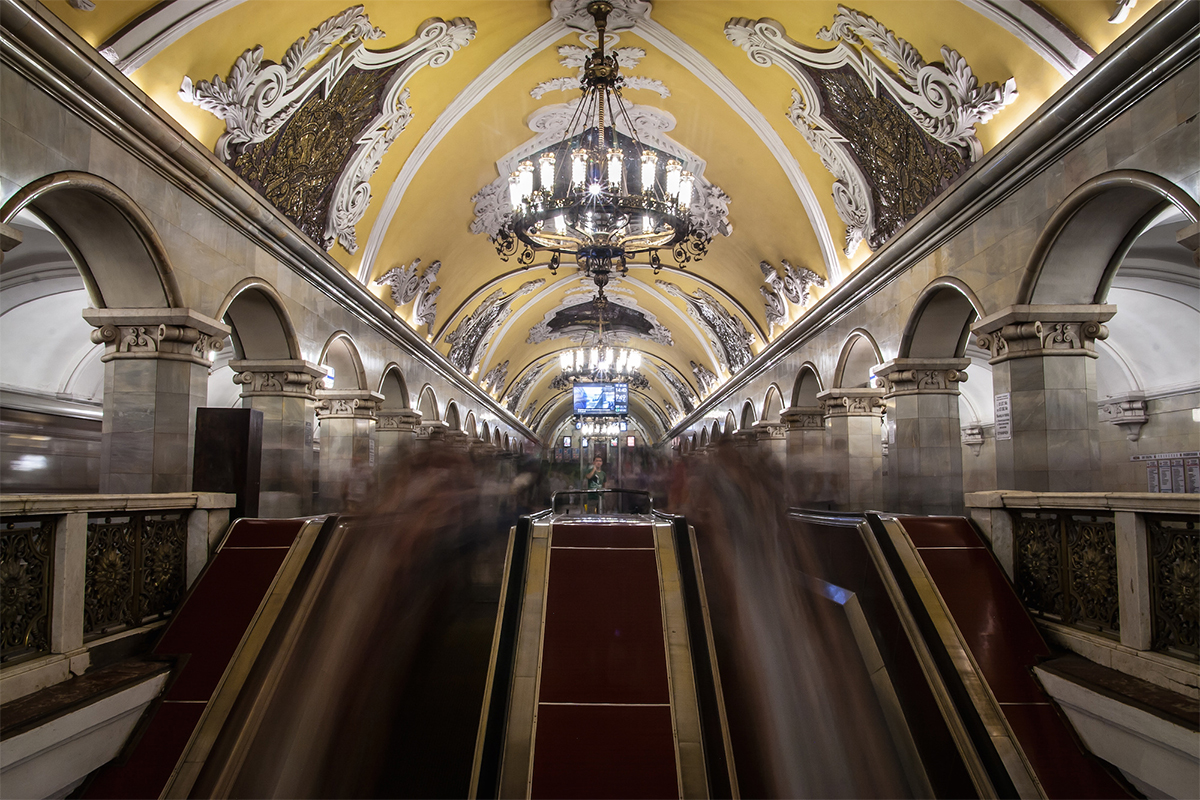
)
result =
(485, 432)
(261, 327)
(111, 240)
(704, 437)
(453, 417)
(714, 432)
(427, 404)
(807, 386)
(940, 323)
(341, 353)
(507, 442)
(730, 423)
(749, 415)
(496, 440)
(470, 425)
(393, 388)
(856, 363)
(1077, 254)
(772, 404)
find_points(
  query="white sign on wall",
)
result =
(1003, 416)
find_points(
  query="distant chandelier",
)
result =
(602, 196)
(599, 364)
(601, 427)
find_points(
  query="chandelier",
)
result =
(601, 427)
(599, 363)
(601, 195)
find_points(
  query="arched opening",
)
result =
(806, 387)
(940, 324)
(485, 432)
(1079, 251)
(748, 416)
(453, 420)
(856, 364)
(393, 389)
(704, 437)
(714, 432)
(496, 440)
(730, 424)
(427, 404)
(260, 330)
(118, 253)
(772, 405)
(341, 355)
(469, 426)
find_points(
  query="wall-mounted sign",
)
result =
(1003, 416)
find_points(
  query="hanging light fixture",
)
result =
(601, 196)
(599, 364)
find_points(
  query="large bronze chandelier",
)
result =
(600, 195)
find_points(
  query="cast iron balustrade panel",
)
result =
(26, 572)
(135, 570)
(1066, 567)
(1174, 581)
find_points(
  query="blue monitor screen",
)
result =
(602, 399)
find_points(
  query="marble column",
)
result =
(853, 449)
(772, 442)
(745, 438)
(809, 480)
(156, 363)
(924, 460)
(395, 430)
(1044, 378)
(284, 390)
(347, 466)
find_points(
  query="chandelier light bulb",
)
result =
(579, 360)
(546, 163)
(566, 360)
(649, 170)
(686, 182)
(616, 161)
(578, 168)
(674, 168)
(526, 179)
(595, 358)
(514, 190)
(560, 225)
(635, 359)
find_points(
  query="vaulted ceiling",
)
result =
(384, 131)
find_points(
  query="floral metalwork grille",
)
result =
(1174, 582)
(1066, 568)
(135, 570)
(26, 559)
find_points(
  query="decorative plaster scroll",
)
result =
(494, 380)
(706, 379)
(843, 109)
(472, 334)
(577, 317)
(671, 412)
(681, 389)
(793, 285)
(574, 57)
(728, 334)
(407, 287)
(259, 100)
(1121, 9)
(88, 5)
(625, 14)
(520, 388)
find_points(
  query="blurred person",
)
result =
(595, 478)
(802, 722)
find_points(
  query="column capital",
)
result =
(1043, 330)
(769, 430)
(905, 376)
(803, 418)
(745, 438)
(851, 402)
(433, 429)
(1126, 411)
(170, 334)
(347, 403)
(277, 377)
(403, 419)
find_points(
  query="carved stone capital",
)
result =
(800, 418)
(277, 377)
(852, 402)
(745, 438)
(403, 420)
(1043, 330)
(1127, 411)
(905, 376)
(433, 429)
(169, 334)
(769, 430)
(972, 437)
(347, 403)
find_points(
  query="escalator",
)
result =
(595, 662)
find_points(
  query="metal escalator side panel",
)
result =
(959, 730)
(516, 763)
(217, 710)
(229, 753)
(1018, 775)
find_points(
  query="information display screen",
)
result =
(601, 399)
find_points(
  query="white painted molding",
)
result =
(1031, 26)
(132, 47)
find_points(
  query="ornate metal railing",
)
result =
(78, 569)
(26, 573)
(1174, 583)
(1119, 566)
(1066, 567)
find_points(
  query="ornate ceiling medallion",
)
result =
(309, 132)
(407, 287)
(792, 286)
(893, 140)
(577, 318)
(468, 341)
(731, 341)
